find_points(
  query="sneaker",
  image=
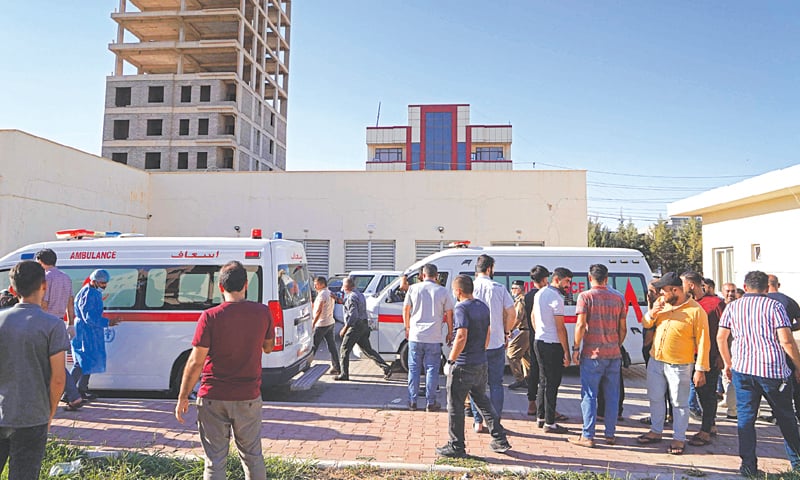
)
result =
(768, 419)
(540, 423)
(696, 414)
(557, 429)
(518, 385)
(387, 372)
(335, 372)
(732, 417)
(500, 446)
(479, 428)
(341, 378)
(449, 450)
(412, 406)
(88, 396)
(433, 407)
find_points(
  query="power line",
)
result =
(648, 187)
(696, 177)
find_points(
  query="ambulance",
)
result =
(159, 287)
(629, 274)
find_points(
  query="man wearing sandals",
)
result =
(681, 330)
(601, 326)
(756, 363)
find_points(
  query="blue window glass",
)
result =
(415, 156)
(461, 157)
(438, 140)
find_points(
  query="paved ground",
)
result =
(366, 420)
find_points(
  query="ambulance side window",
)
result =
(194, 287)
(156, 288)
(620, 282)
(121, 290)
(253, 286)
(5, 282)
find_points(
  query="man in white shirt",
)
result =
(552, 350)
(323, 322)
(426, 308)
(502, 317)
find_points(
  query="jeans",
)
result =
(673, 379)
(358, 334)
(428, 355)
(749, 391)
(71, 392)
(596, 375)
(551, 366)
(707, 395)
(469, 379)
(326, 333)
(694, 400)
(25, 448)
(533, 378)
(80, 380)
(495, 365)
(601, 398)
(216, 419)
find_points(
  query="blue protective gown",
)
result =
(89, 345)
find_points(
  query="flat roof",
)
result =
(774, 184)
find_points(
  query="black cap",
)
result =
(518, 283)
(669, 279)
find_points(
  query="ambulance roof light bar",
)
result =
(78, 233)
(461, 244)
(255, 233)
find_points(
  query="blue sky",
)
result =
(636, 92)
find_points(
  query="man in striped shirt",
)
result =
(756, 363)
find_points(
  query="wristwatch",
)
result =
(451, 362)
(576, 348)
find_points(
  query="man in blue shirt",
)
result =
(356, 331)
(466, 371)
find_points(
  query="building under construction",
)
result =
(199, 85)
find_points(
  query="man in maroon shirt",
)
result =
(707, 394)
(227, 348)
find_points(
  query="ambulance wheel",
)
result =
(176, 374)
(404, 356)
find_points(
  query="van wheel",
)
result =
(404, 356)
(176, 375)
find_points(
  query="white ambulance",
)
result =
(628, 273)
(159, 287)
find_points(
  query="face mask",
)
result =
(100, 289)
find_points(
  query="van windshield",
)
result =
(294, 285)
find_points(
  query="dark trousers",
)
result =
(472, 380)
(23, 450)
(601, 398)
(79, 379)
(326, 333)
(707, 394)
(749, 391)
(533, 376)
(358, 334)
(551, 364)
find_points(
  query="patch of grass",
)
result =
(466, 462)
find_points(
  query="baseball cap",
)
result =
(669, 279)
(518, 283)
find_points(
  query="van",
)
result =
(368, 282)
(159, 287)
(628, 273)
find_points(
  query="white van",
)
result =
(368, 282)
(628, 273)
(159, 287)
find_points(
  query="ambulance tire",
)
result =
(403, 353)
(176, 374)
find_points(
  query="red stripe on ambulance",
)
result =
(159, 316)
(390, 319)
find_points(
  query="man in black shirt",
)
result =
(540, 276)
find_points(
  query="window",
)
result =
(121, 290)
(723, 265)
(152, 160)
(205, 93)
(183, 126)
(294, 285)
(202, 126)
(755, 252)
(488, 153)
(154, 128)
(362, 281)
(155, 95)
(438, 140)
(183, 160)
(120, 157)
(271, 147)
(186, 94)
(272, 119)
(121, 129)
(122, 96)
(202, 160)
(388, 155)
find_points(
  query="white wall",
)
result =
(45, 187)
(482, 207)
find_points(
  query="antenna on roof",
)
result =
(379, 114)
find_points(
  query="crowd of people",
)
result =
(699, 348)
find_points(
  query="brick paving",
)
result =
(384, 433)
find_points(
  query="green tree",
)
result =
(599, 234)
(689, 245)
(662, 247)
